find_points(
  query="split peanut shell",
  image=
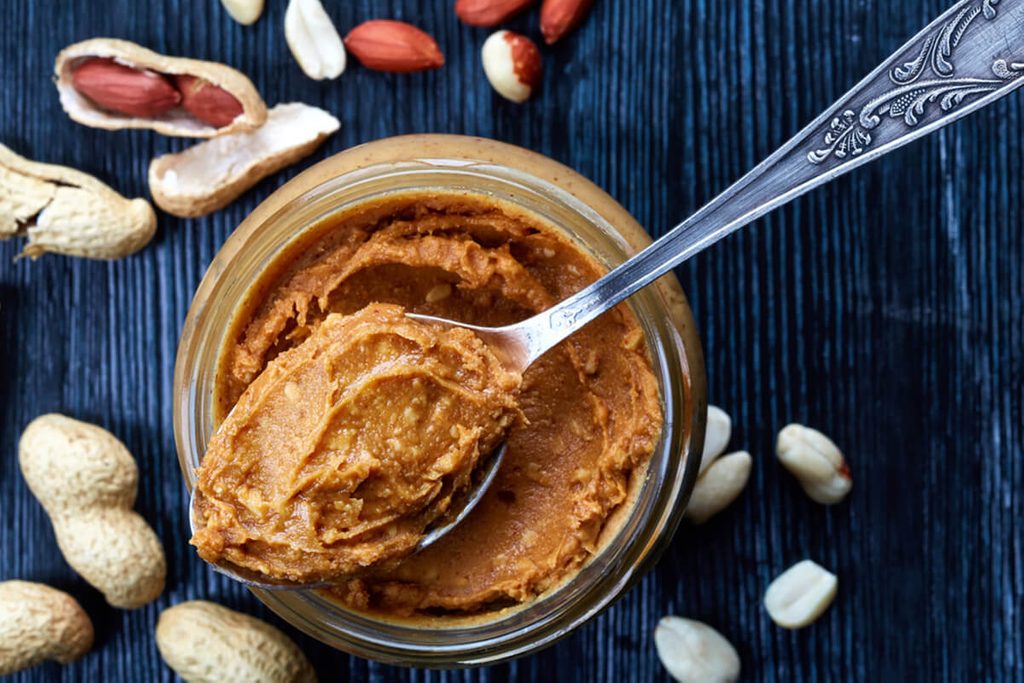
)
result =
(65, 211)
(177, 121)
(213, 173)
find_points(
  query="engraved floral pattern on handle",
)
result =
(844, 138)
(938, 48)
(848, 133)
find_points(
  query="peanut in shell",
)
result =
(109, 101)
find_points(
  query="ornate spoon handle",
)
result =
(960, 62)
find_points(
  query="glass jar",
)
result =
(570, 203)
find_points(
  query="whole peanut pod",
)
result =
(86, 481)
(39, 623)
(206, 643)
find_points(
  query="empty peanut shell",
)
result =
(212, 174)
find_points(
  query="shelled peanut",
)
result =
(488, 13)
(120, 88)
(693, 652)
(721, 478)
(559, 17)
(313, 40)
(816, 462)
(512, 65)
(800, 595)
(394, 46)
(245, 12)
(207, 102)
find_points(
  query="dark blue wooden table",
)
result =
(886, 310)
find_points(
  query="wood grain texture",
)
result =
(886, 310)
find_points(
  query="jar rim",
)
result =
(473, 165)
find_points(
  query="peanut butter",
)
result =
(348, 446)
(590, 408)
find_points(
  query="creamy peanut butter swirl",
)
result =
(591, 405)
(346, 447)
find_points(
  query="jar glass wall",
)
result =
(593, 221)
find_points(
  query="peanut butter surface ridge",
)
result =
(349, 445)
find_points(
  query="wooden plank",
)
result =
(887, 310)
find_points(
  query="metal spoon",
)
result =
(959, 63)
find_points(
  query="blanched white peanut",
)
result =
(800, 594)
(245, 12)
(719, 486)
(716, 436)
(693, 652)
(313, 40)
(816, 462)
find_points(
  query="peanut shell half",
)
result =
(177, 121)
(212, 174)
(65, 211)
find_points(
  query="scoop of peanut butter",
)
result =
(348, 446)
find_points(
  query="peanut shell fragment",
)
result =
(113, 99)
(213, 173)
(64, 211)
